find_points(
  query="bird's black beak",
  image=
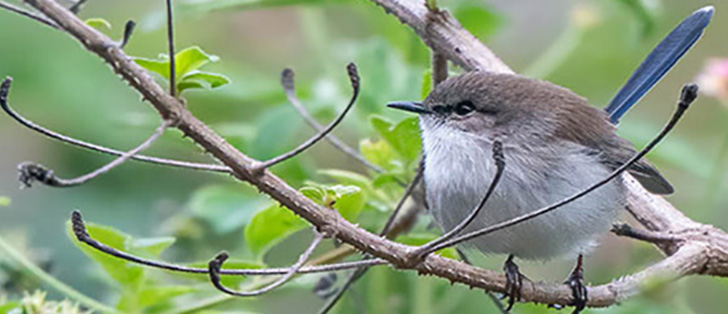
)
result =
(410, 106)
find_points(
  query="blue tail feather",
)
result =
(659, 62)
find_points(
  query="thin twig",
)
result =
(128, 30)
(216, 264)
(500, 164)
(172, 57)
(355, 82)
(397, 208)
(79, 230)
(287, 81)
(27, 14)
(93, 147)
(687, 96)
(31, 172)
(625, 230)
(76, 7)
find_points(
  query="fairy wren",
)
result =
(554, 143)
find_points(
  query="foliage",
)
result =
(187, 64)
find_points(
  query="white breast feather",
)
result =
(458, 170)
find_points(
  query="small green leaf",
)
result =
(191, 59)
(154, 295)
(98, 23)
(426, 84)
(153, 246)
(348, 200)
(316, 194)
(379, 153)
(125, 273)
(160, 67)
(213, 80)
(226, 208)
(10, 307)
(270, 226)
(185, 85)
(4, 201)
(404, 137)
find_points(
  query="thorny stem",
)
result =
(687, 96)
(30, 172)
(217, 262)
(355, 84)
(287, 81)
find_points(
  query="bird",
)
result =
(554, 144)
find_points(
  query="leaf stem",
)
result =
(53, 282)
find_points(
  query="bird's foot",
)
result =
(578, 290)
(514, 282)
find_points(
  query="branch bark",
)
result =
(704, 249)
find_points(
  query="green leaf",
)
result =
(404, 137)
(98, 23)
(270, 226)
(154, 295)
(160, 67)
(213, 80)
(125, 273)
(225, 207)
(348, 200)
(379, 153)
(191, 59)
(9, 308)
(187, 63)
(4, 201)
(153, 246)
(426, 84)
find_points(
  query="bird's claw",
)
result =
(514, 282)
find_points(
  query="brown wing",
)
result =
(581, 123)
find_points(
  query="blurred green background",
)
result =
(588, 46)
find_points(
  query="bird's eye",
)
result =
(464, 107)
(441, 109)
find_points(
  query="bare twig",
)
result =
(76, 7)
(355, 82)
(216, 264)
(31, 172)
(288, 83)
(687, 96)
(705, 250)
(654, 237)
(172, 57)
(27, 14)
(500, 164)
(128, 30)
(79, 230)
(101, 149)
